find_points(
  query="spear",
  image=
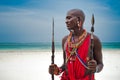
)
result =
(92, 40)
(53, 46)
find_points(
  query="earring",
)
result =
(78, 25)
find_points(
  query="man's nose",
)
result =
(66, 21)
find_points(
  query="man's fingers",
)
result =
(52, 68)
(92, 65)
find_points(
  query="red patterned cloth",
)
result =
(75, 70)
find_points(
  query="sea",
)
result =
(46, 46)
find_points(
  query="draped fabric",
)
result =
(75, 70)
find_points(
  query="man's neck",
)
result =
(77, 32)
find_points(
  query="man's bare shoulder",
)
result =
(64, 38)
(96, 39)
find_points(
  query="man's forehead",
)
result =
(73, 13)
(69, 14)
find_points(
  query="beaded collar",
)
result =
(80, 40)
(72, 47)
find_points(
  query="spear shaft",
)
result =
(53, 46)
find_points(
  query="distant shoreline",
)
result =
(46, 46)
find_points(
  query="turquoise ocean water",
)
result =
(41, 46)
(47, 46)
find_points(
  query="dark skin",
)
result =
(74, 23)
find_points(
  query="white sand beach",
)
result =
(33, 65)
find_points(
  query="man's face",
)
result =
(71, 21)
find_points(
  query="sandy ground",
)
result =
(33, 65)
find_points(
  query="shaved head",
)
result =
(78, 13)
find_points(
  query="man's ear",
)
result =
(80, 23)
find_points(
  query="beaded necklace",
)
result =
(72, 46)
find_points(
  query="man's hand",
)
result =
(92, 64)
(53, 69)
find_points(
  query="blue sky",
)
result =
(31, 20)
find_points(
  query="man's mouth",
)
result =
(69, 28)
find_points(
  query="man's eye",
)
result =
(68, 17)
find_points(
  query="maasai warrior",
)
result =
(76, 51)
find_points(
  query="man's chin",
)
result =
(70, 29)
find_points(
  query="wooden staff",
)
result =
(53, 46)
